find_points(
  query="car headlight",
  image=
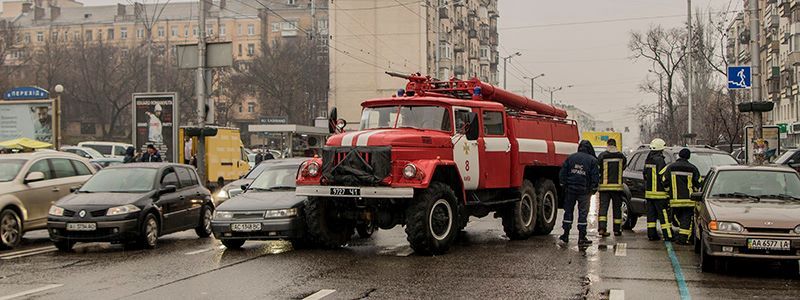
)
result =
(725, 226)
(313, 169)
(280, 213)
(410, 171)
(222, 194)
(223, 215)
(121, 210)
(56, 211)
(797, 229)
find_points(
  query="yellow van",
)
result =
(225, 156)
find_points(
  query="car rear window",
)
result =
(103, 149)
(704, 161)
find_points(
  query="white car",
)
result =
(108, 149)
(84, 152)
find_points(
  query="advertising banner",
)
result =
(770, 147)
(30, 119)
(155, 122)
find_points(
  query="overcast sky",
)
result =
(592, 55)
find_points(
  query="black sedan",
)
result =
(132, 204)
(267, 209)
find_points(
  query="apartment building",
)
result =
(444, 39)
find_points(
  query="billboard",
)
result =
(155, 120)
(772, 144)
(32, 119)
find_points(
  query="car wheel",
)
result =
(432, 220)
(203, 229)
(519, 219)
(233, 244)
(324, 226)
(365, 230)
(148, 237)
(547, 210)
(64, 245)
(708, 263)
(628, 219)
(10, 229)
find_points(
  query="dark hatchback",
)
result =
(267, 209)
(634, 207)
(132, 204)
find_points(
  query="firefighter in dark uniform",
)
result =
(681, 179)
(580, 176)
(612, 162)
(654, 193)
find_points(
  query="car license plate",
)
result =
(763, 244)
(345, 191)
(246, 227)
(81, 226)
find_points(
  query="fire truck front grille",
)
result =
(356, 166)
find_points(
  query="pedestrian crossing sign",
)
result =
(739, 77)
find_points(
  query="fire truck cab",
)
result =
(434, 155)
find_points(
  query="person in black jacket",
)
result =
(681, 179)
(580, 176)
(151, 155)
(130, 155)
(654, 193)
(612, 162)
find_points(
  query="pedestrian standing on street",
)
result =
(130, 155)
(612, 162)
(187, 150)
(654, 194)
(580, 176)
(681, 179)
(259, 158)
(151, 155)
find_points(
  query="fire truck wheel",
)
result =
(432, 219)
(519, 219)
(325, 230)
(547, 198)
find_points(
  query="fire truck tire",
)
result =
(547, 199)
(519, 219)
(432, 220)
(326, 231)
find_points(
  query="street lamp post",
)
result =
(59, 89)
(505, 67)
(553, 90)
(532, 79)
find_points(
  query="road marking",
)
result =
(198, 251)
(28, 253)
(616, 295)
(621, 249)
(676, 268)
(315, 296)
(405, 252)
(30, 292)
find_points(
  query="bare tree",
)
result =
(13, 54)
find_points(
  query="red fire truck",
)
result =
(432, 156)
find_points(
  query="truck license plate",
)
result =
(246, 227)
(763, 244)
(81, 226)
(345, 191)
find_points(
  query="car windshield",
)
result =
(257, 170)
(9, 168)
(785, 157)
(123, 180)
(276, 177)
(756, 184)
(421, 117)
(704, 161)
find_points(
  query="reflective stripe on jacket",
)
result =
(653, 166)
(611, 166)
(681, 179)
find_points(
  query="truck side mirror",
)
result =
(472, 127)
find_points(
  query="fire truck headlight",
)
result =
(313, 169)
(410, 171)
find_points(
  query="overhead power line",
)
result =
(619, 20)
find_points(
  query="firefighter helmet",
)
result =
(657, 144)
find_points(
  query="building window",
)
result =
(40, 36)
(88, 128)
(291, 2)
(27, 37)
(54, 36)
(240, 108)
(210, 29)
(251, 49)
(322, 26)
(110, 34)
(76, 36)
(123, 33)
(222, 30)
(174, 31)
(240, 50)
(239, 29)
(446, 50)
(160, 31)
(251, 107)
(140, 33)
(88, 35)
(276, 26)
(484, 53)
(251, 29)
(185, 31)
(194, 31)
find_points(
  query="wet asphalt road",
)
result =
(484, 264)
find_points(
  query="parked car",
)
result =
(132, 204)
(29, 184)
(739, 155)
(234, 188)
(790, 158)
(748, 212)
(634, 206)
(106, 162)
(108, 149)
(85, 152)
(267, 209)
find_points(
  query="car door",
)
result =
(189, 202)
(39, 195)
(83, 173)
(496, 160)
(632, 176)
(65, 177)
(170, 203)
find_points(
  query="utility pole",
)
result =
(200, 86)
(532, 85)
(755, 58)
(690, 48)
(553, 90)
(505, 68)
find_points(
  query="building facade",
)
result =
(439, 38)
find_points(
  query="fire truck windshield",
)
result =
(420, 117)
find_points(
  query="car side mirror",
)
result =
(697, 196)
(167, 189)
(244, 187)
(472, 127)
(74, 188)
(34, 177)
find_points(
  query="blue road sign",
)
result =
(26, 93)
(739, 77)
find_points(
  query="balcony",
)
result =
(472, 13)
(793, 58)
(444, 36)
(459, 70)
(494, 38)
(458, 25)
(458, 46)
(772, 21)
(444, 13)
(785, 8)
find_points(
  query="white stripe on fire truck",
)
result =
(347, 139)
(532, 145)
(364, 138)
(565, 148)
(497, 144)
